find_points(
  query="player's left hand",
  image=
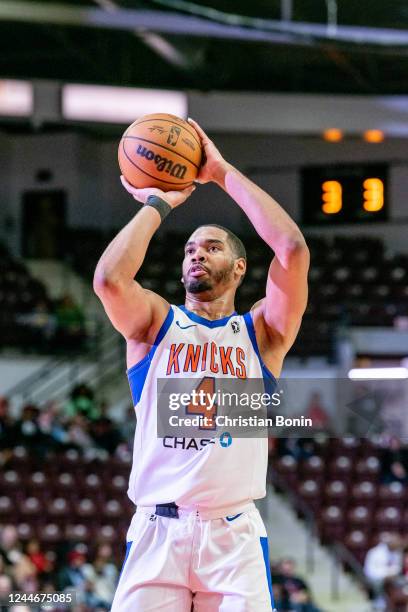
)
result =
(213, 165)
(173, 198)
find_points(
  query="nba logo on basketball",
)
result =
(174, 135)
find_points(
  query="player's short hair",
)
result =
(236, 244)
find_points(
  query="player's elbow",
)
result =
(296, 252)
(105, 283)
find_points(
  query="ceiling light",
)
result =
(119, 104)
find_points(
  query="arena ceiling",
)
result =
(339, 46)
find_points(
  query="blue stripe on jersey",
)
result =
(265, 552)
(251, 332)
(195, 317)
(137, 374)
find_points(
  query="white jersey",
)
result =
(205, 474)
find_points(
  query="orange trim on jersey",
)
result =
(192, 358)
(173, 358)
(213, 366)
(204, 357)
(226, 363)
(240, 372)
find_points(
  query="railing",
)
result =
(95, 366)
(340, 554)
(307, 514)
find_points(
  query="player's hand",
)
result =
(173, 198)
(213, 165)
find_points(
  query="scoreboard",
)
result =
(344, 193)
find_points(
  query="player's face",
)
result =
(208, 260)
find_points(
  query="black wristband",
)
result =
(160, 205)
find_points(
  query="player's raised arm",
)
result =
(132, 309)
(286, 289)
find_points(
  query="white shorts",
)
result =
(217, 564)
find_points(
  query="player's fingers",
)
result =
(199, 129)
(127, 185)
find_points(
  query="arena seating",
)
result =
(63, 500)
(352, 281)
(340, 483)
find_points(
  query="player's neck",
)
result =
(218, 308)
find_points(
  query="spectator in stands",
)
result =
(28, 432)
(317, 412)
(394, 463)
(298, 448)
(102, 577)
(383, 561)
(295, 592)
(82, 402)
(71, 575)
(51, 424)
(78, 433)
(7, 431)
(105, 435)
(70, 323)
(18, 565)
(38, 557)
(127, 427)
(41, 324)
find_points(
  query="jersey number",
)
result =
(205, 408)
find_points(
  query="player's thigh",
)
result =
(224, 602)
(153, 598)
(242, 580)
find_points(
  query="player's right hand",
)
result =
(173, 198)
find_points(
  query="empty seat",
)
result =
(392, 494)
(50, 533)
(389, 518)
(336, 493)
(331, 522)
(7, 507)
(357, 543)
(368, 468)
(360, 517)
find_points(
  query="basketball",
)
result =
(161, 151)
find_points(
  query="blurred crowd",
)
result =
(26, 568)
(80, 423)
(291, 592)
(386, 568)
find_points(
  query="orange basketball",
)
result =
(160, 151)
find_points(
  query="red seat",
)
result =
(26, 531)
(364, 493)
(50, 533)
(7, 507)
(336, 493)
(341, 468)
(368, 468)
(313, 467)
(389, 518)
(357, 543)
(392, 494)
(310, 492)
(287, 466)
(359, 517)
(78, 532)
(59, 509)
(331, 523)
(31, 508)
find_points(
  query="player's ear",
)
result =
(182, 280)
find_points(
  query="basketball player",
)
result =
(197, 538)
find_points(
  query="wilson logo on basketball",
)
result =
(162, 163)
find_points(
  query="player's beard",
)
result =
(199, 285)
